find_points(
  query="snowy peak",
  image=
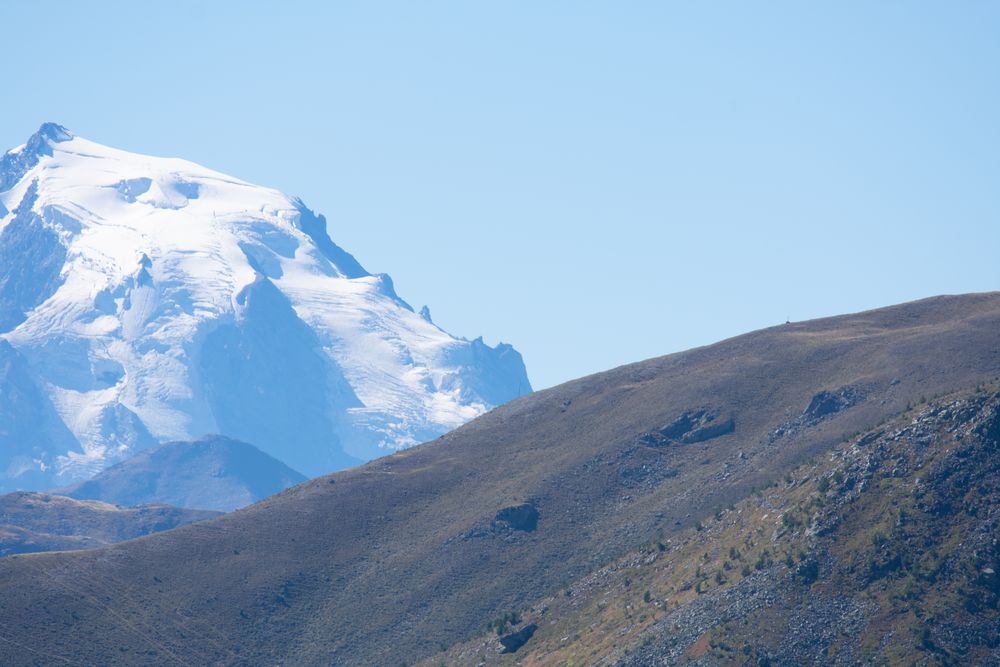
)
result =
(314, 226)
(151, 299)
(49, 132)
(16, 162)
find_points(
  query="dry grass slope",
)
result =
(883, 550)
(35, 522)
(393, 561)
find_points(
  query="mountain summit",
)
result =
(147, 299)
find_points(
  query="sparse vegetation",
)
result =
(504, 623)
(402, 555)
(876, 524)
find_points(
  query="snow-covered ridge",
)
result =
(149, 299)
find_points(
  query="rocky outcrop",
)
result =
(900, 554)
(822, 406)
(522, 517)
(691, 427)
(828, 402)
(515, 640)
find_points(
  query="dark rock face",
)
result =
(683, 425)
(989, 430)
(519, 517)
(713, 429)
(31, 257)
(31, 433)
(13, 166)
(828, 402)
(315, 226)
(823, 405)
(691, 427)
(495, 373)
(808, 570)
(515, 640)
(267, 384)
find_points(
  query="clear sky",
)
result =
(596, 183)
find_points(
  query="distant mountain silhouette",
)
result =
(215, 473)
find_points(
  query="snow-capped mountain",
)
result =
(146, 299)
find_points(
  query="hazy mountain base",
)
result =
(214, 473)
(883, 551)
(34, 522)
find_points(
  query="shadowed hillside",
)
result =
(395, 560)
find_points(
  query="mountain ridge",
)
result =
(211, 473)
(32, 522)
(392, 560)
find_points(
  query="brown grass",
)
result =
(374, 565)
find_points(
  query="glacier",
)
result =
(146, 300)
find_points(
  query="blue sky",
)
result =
(596, 183)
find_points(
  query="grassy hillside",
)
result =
(883, 550)
(33, 522)
(393, 561)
